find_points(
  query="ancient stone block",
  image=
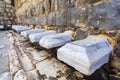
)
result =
(20, 75)
(61, 18)
(105, 15)
(33, 31)
(36, 37)
(86, 55)
(73, 16)
(51, 19)
(55, 40)
(20, 28)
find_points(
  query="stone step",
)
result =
(36, 37)
(55, 40)
(20, 28)
(33, 31)
(86, 55)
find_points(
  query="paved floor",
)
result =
(4, 50)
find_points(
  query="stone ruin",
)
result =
(7, 13)
(92, 56)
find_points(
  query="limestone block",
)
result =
(55, 40)
(20, 28)
(36, 37)
(28, 32)
(20, 75)
(86, 55)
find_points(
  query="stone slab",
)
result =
(20, 28)
(86, 55)
(55, 40)
(33, 31)
(36, 37)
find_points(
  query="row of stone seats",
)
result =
(86, 55)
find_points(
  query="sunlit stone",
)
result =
(86, 55)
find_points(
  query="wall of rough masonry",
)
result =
(69, 13)
(62, 13)
(7, 12)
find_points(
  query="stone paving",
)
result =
(4, 51)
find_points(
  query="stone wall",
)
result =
(69, 13)
(51, 12)
(7, 12)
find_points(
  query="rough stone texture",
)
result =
(106, 16)
(7, 12)
(20, 75)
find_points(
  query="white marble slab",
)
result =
(20, 28)
(37, 36)
(55, 40)
(86, 55)
(33, 31)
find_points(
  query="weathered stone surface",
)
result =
(4, 51)
(55, 40)
(20, 75)
(52, 69)
(73, 16)
(37, 56)
(33, 31)
(61, 18)
(81, 34)
(51, 19)
(86, 55)
(33, 75)
(36, 37)
(105, 15)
